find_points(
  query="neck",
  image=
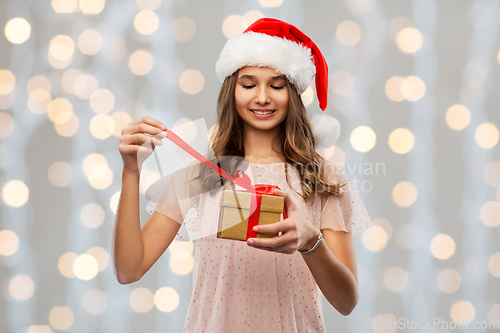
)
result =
(258, 144)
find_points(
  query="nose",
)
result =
(262, 96)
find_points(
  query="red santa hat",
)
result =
(279, 45)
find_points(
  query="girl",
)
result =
(266, 284)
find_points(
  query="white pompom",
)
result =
(326, 130)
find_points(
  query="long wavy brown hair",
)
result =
(294, 141)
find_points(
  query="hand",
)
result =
(140, 137)
(297, 232)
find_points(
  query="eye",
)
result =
(277, 88)
(248, 87)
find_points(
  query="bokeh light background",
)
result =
(414, 84)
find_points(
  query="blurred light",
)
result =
(91, 161)
(90, 42)
(100, 177)
(166, 299)
(7, 82)
(462, 311)
(121, 120)
(191, 81)
(6, 125)
(308, 96)
(39, 82)
(348, 33)
(101, 126)
(404, 194)
(398, 24)
(181, 266)
(494, 264)
(172, 72)
(85, 85)
(61, 318)
(406, 236)
(401, 140)
(413, 88)
(67, 128)
(65, 6)
(65, 264)
(471, 91)
(113, 202)
(15, 193)
(94, 301)
(61, 50)
(189, 130)
(458, 117)
(490, 214)
(102, 101)
(449, 280)
(341, 82)
(91, 7)
(486, 135)
(6, 100)
(494, 313)
(60, 174)
(146, 22)
(389, 323)
(148, 4)
(39, 329)
(183, 29)
(492, 173)
(60, 110)
(251, 16)
(233, 25)
(363, 139)
(39, 101)
(101, 256)
(68, 80)
(85, 267)
(9, 243)
(21, 287)
(17, 30)
(384, 224)
(395, 278)
(141, 300)
(270, 3)
(409, 40)
(476, 71)
(335, 155)
(374, 238)
(92, 215)
(114, 48)
(181, 250)
(442, 246)
(393, 88)
(141, 62)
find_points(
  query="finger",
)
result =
(145, 125)
(289, 201)
(147, 129)
(271, 243)
(276, 227)
(141, 139)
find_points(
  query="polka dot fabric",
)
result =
(237, 288)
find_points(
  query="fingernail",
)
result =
(255, 228)
(250, 242)
(163, 127)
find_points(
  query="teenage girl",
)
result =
(263, 284)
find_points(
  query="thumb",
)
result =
(289, 202)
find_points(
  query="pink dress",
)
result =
(237, 288)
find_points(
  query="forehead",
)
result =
(263, 72)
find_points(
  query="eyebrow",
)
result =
(251, 77)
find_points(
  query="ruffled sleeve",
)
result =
(176, 195)
(345, 212)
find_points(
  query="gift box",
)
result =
(235, 220)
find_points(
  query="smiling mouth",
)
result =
(261, 113)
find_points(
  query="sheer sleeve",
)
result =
(176, 196)
(345, 212)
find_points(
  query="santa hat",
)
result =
(273, 43)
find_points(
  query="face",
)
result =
(261, 89)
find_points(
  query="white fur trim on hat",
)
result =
(258, 49)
